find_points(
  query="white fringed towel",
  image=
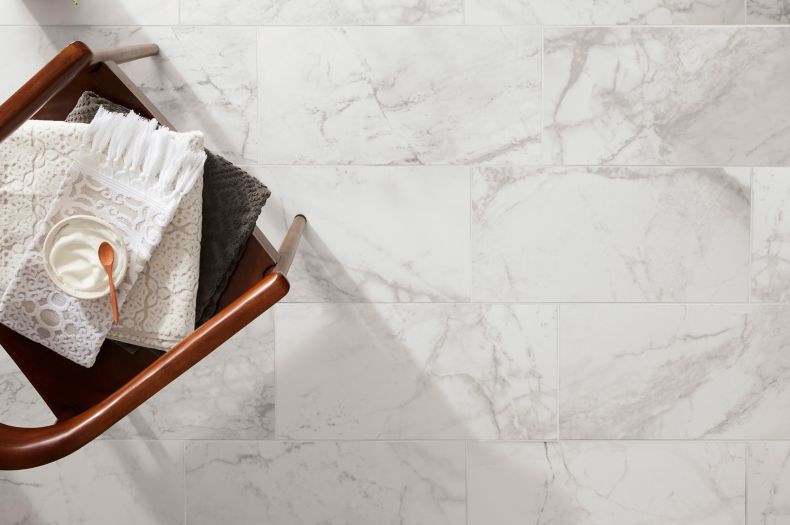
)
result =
(133, 176)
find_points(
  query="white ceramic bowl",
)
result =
(119, 265)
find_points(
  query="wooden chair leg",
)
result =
(290, 244)
(122, 54)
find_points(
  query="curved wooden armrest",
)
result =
(22, 448)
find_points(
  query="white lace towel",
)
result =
(160, 309)
(133, 176)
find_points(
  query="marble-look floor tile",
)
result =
(105, 482)
(612, 483)
(90, 12)
(610, 234)
(309, 12)
(203, 79)
(395, 234)
(355, 483)
(768, 11)
(768, 483)
(604, 12)
(363, 371)
(674, 371)
(20, 404)
(690, 96)
(771, 235)
(228, 395)
(399, 95)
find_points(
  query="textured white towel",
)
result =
(160, 308)
(131, 175)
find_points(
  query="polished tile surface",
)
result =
(610, 234)
(354, 483)
(768, 482)
(604, 12)
(438, 371)
(360, 95)
(694, 96)
(386, 234)
(674, 372)
(543, 279)
(123, 482)
(617, 483)
(228, 395)
(309, 12)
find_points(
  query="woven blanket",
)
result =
(232, 201)
(127, 173)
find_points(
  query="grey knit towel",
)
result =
(232, 201)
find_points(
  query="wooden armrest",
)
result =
(22, 448)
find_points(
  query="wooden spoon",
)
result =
(107, 258)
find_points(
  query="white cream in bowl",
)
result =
(71, 256)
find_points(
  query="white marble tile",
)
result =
(204, 78)
(20, 404)
(375, 233)
(689, 96)
(356, 483)
(612, 483)
(674, 371)
(105, 482)
(768, 483)
(363, 371)
(770, 235)
(610, 234)
(399, 95)
(228, 395)
(604, 12)
(90, 12)
(309, 12)
(768, 11)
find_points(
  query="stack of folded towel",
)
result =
(178, 283)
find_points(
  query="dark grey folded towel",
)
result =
(232, 201)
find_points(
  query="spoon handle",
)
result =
(113, 298)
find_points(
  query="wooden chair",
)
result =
(88, 401)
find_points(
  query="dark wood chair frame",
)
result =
(88, 401)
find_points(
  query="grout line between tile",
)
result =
(184, 476)
(746, 452)
(559, 379)
(751, 234)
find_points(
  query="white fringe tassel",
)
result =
(152, 159)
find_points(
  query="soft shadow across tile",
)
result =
(363, 371)
(354, 483)
(374, 234)
(227, 395)
(616, 483)
(105, 482)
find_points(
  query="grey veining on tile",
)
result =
(399, 95)
(309, 12)
(616, 483)
(690, 96)
(604, 12)
(768, 11)
(203, 79)
(354, 483)
(771, 235)
(228, 395)
(674, 372)
(374, 233)
(768, 483)
(610, 234)
(20, 404)
(367, 371)
(105, 482)
(90, 12)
